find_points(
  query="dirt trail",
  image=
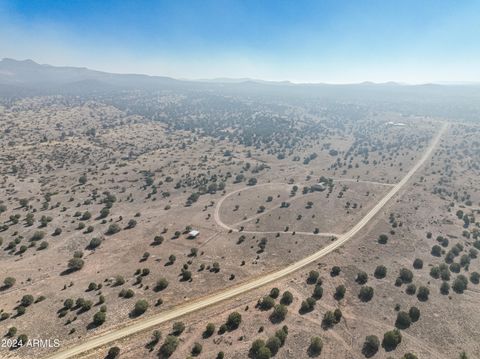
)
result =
(231, 292)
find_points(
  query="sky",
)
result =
(338, 41)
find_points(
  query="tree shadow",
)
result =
(368, 352)
(92, 325)
(275, 319)
(134, 314)
(67, 271)
(312, 353)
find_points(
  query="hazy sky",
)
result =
(303, 41)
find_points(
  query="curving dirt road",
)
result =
(216, 214)
(228, 293)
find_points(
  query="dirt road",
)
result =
(216, 214)
(231, 292)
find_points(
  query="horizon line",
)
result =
(241, 79)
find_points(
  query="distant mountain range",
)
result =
(29, 77)
(30, 73)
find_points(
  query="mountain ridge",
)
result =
(11, 67)
(19, 78)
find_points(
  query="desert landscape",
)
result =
(239, 179)
(193, 221)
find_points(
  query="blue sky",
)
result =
(338, 41)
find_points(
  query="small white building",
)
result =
(193, 234)
(391, 123)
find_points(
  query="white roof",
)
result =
(193, 233)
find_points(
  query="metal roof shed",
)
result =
(193, 234)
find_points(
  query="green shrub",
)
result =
(411, 289)
(186, 275)
(113, 228)
(11, 332)
(256, 346)
(94, 243)
(316, 346)
(169, 346)
(418, 263)
(287, 298)
(435, 272)
(274, 293)
(209, 330)
(391, 339)
(157, 240)
(405, 275)
(370, 346)
(455, 267)
(113, 353)
(445, 288)
(273, 344)
(335, 271)
(423, 293)
(414, 314)
(340, 292)
(21, 310)
(403, 320)
(382, 239)
(460, 284)
(362, 277)
(141, 307)
(380, 272)
(75, 264)
(267, 303)
(119, 280)
(337, 313)
(234, 320)
(317, 292)
(307, 305)
(328, 319)
(178, 328)
(37, 236)
(436, 250)
(161, 284)
(99, 318)
(282, 334)
(196, 349)
(27, 300)
(279, 312)
(313, 277)
(475, 277)
(366, 293)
